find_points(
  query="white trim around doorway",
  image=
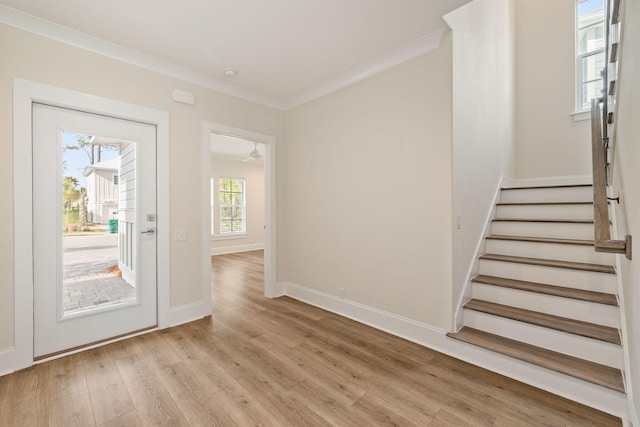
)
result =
(25, 93)
(270, 288)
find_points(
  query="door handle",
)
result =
(149, 231)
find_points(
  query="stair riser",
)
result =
(587, 280)
(543, 229)
(562, 252)
(563, 194)
(584, 348)
(545, 211)
(600, 314)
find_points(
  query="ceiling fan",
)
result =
(254, 154)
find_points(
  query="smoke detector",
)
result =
(230, 72)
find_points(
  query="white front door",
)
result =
(94, 235)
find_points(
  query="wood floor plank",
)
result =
(108, 393)
(380, 412)
(376, 341)
(445, 418)
(66, 375)
(155, 352)
(424, 381)
(323, 403)
(405, 400)
(127, 420)
(153, 402)
(198, 403)
(72, 409)
(28, 398)
(300, 358)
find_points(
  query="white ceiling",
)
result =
(232, 148)
(281, 48)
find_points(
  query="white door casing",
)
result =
(54, 329)
(25, 93)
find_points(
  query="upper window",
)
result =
(116, 179)
(590, 43)
(232, 205)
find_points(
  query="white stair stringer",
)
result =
(557, 251)
(585, 311)
(577, 279)
(574, 345)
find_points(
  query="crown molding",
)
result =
(33, 24)
(395, 57)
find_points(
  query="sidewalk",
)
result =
(86, 282)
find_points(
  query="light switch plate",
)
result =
(181, 235)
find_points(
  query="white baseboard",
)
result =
(7, 361)
(574, 389)
(508, 182)
(237, 248)
(397, 325)
(634, 415)
(189, 312)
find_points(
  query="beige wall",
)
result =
(550, 143)
(32, 57)
(364, 191)
(483, 121)
(253, 174)
(628, 179)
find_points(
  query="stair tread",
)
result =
(541, 239)
(597, 268)
(535, 187)
(572, 326)
(558, 221)
(541, 203)
(594, 373)
(560, 291)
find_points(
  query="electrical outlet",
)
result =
(459, 221)
(181, 235)
(341, 292)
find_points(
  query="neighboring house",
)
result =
(102, 190)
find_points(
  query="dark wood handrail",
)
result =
(602, 224)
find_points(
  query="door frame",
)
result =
(270, 285)
(25, 93)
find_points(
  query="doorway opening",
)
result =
(237, 213)
(239, 199)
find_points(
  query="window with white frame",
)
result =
(231, 198)
(590, 44)
(213, 213)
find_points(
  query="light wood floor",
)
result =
(273, 363)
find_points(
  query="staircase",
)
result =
(543, 295)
